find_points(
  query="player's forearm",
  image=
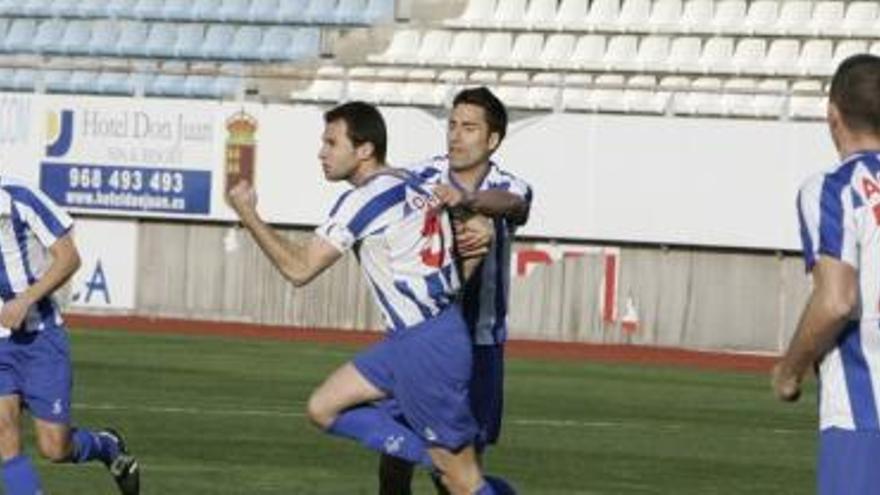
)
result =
(821, 323)
(286, 255)
(497, 203)
(65, 262)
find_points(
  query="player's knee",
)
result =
(54, 448)
(317, 411)
(461, 480)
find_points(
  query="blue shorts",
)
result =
(36, 367)
(487, 392)
(426, 369)
(848, 462)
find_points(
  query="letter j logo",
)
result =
(59, 132)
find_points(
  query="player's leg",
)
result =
(342, 406)
(460, 472)
(847, 463)
(46, 390)
(19, 475)
(395, 476)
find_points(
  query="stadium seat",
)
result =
(305, 43)
(326, 86)
(246, 43)
(48, 36)
(120, 8)
(8, 7)
(203, 10)
(704, 98)
(761, 17)
(476, 13)
(276, 43)
(161, 40)
(526, 50)
(545, 91)
(64, 8)
(359, 83)
(557, 51)
(82, 81)
(167, 85)
(874, 49)
(435, 45)
(513, 89)
(634, 15)
(181, 10)
(827, 17)
(652, 54)
(782, 57)
(105, 37)
(729, 16)
(807, 100)
(350, 12)
(859, 19)
(263, 11)
(24, 79)
(738, 99)
(198, 86)
(684, 55)
(794, 18)
(464, 49)
(149, 9)
(389, 86)
(4, 27)
(587, 54)
(35, 8)
(319, 12)
(770, 98)
(76, 38)
(402, 49)
(56, 81)
(94, 8)
(189, 41)
(666, 16)
(486, 78)
(20, 36)
(291, 11)
(540, 15)
(815, 59)
(674, 89)
(603, 15)
(378, 11)
(132, 39)
(749, 56)
(218, 39)
(234, 10)
(7, 77)
(621, 50)
(844, 50)
(420, 89)
(717, 56)
(608, 93)
(572, 14)
(641, 96)
(114, 83)
(496, 50)
(697, 16)
(509, 13)
(576, 92)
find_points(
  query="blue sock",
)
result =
(20, 477)
(500, 485)
(374, 428)
(486, 489)
(89, 445)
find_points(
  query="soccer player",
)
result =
(405, 245)
(839, 328)
(469, 180)
(35, 369)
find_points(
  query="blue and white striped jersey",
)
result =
(405, 245)
(486, 296)
(29, 223)
(839, 214)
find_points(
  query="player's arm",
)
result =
(65, 261)
(473, 236)
(299, 262)
(491, 202)
(831, 303)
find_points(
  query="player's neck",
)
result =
(854, 143)
(470, 177)
(364, 171)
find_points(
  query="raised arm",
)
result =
(491, 202)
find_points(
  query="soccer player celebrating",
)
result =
(838, 329)
(404, 242)
(35, 370)
(469, 181)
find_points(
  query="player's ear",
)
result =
(365, 151)
(494, 140)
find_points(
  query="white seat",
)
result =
(510, 13)
(815, 58)
(794, 18)
(189, 41)
(634, 15)
(93, 8)
(421, 89)
(389, 84)
(749, 56)
(526, 50)
(82, 81)
(182, 10)
(717, 55)
(621, 50)
(359, 83)
(476, 13)
(513, 89)
(56, 81)
(132, 38)
(105, 35)
(218, 39)
(160, 41)
(263, 10)
(641, 96)
(35, 8)
(435, 46)
(729, 16)
(326, 86)
(704, 97)
(675, 90)
(684, 55)
(113, 83)
(652, 54)
(770, 98)
(827, 18)
(557, 51)
(738, 98)
(76, 38)
(120, 8)
(603, 15)
(761, 17)
(859, 19)
(666, 16)
(588, 52)
(541, 14)
(20, 36)
(149, 9)
(874, 49)
(608, 93)
(496, 50)
(319, 12)
(48, 36)
(291, 11)
(465, 48)
(697, 16)
(807, 100)
(65, 8)
(545, 92)
(576, 92)
(378, 11)
(572, 14)
(234, 10)
(782, 57)
(403, 48)
(844, 50)
(247, 43)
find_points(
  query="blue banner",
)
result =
(115, 188)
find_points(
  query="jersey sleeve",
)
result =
(359, 213)
(827, 220)
(47, 220)
(520, 188)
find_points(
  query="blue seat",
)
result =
(48, 37)
(20, 36)
(8, 7)
(263, 11)
(199, 86)
(246, 44)
(228, 86)
(24, 79)
(291, 10)
(83, 81)
(149, 9)
(379, 11)
(56, 81)
(320, 11)
(105, 36)
(94, 8)
(132, 39)
(161, 40)
(206, 10)
(35, 8)
(65, 8)
(189, 40)
(350, 12)
(218, 39)
(7, 78)
(177, 10)
(117, 83)
(76, 38)
(120, 8)
(234, 10)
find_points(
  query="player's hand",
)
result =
(786, 383)
(13, 313)
(473, 236)
(448, 195)
(242, 198)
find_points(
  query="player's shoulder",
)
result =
(429, 169)
(19, 191)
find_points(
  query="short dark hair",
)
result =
(363, 123)
(855, 91)
(496, 114)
